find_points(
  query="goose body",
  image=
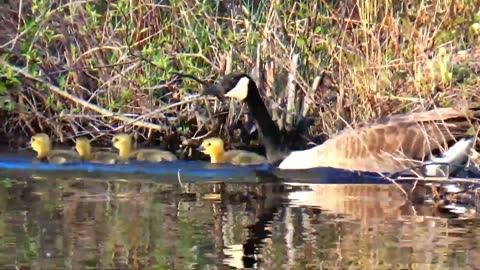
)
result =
(381, 149)
(123, 142)
(42, 144)
(84, 150)
(389, 144)
(214, 147)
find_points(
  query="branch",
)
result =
(79, 101)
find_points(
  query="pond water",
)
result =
(221, 217)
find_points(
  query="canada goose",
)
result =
(84, 149)
(214, 147)
(123, 142)
(389, 145)
(42, 144)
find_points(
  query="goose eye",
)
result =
(209, 144)
(33, 139)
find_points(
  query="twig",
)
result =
(93, 107)
(393, 181)
(159, 110)
(440, 179)
(179, 178)
(202, 136)
(90, 68)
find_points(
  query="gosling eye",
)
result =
(209, 144)
(33, 139)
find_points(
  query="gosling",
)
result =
(84, 149)
(42, 144)
(123, 142)
(214, 147)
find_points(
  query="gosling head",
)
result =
(234, 85)
(122, 142)
(212, 147)
(41, 144)
(83, 147)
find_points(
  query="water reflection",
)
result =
(53, 222)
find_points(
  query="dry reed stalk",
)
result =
(308, 100)
(291, 90)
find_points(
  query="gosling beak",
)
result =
(201, 148)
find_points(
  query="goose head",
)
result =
(122, 142)
(234, 85)
(242, 87)
(41, 144)
(83, 147)
(212, 147)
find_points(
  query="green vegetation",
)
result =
(74, 68)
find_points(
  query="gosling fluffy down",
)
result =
(214, 147)
(42, 144)
(123, 142)
(84, 149)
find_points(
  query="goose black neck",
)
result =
(270, 132)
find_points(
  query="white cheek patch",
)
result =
(240, 91)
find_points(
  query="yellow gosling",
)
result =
(214, 147)
(42, 144)
(84, 149)
(123, 142)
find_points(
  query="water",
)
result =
(216, 217)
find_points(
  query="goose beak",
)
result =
(201, 148)
(214, 90)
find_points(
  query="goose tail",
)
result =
(453, 157)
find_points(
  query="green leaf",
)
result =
(301, 42)
(3, 88)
